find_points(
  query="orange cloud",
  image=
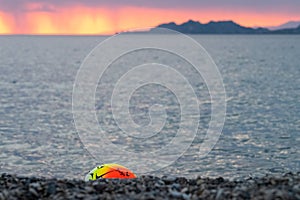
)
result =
(76, 20)
(6, 24)
(46, 19)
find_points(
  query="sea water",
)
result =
(261, 134)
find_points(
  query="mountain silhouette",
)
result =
(287, 25)
(222, 27)
(288, 31)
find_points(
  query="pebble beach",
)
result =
(286, 186)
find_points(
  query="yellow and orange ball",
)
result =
(109, 171)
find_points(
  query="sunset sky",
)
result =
(110, 16)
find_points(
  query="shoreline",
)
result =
(286, 186)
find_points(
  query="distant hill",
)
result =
(288, 31)
(287, 25)
(222, 27)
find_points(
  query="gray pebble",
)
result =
(51, 188)
(175, 194)
(296, 188)
(175, 186)
(1, 196)
(184, 190)
(186, 196)
(168, 179)
(37, 186)
(88, 189)
(161, 182)
(34, 192)
(219, 194)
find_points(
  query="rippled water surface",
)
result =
(261, 134)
